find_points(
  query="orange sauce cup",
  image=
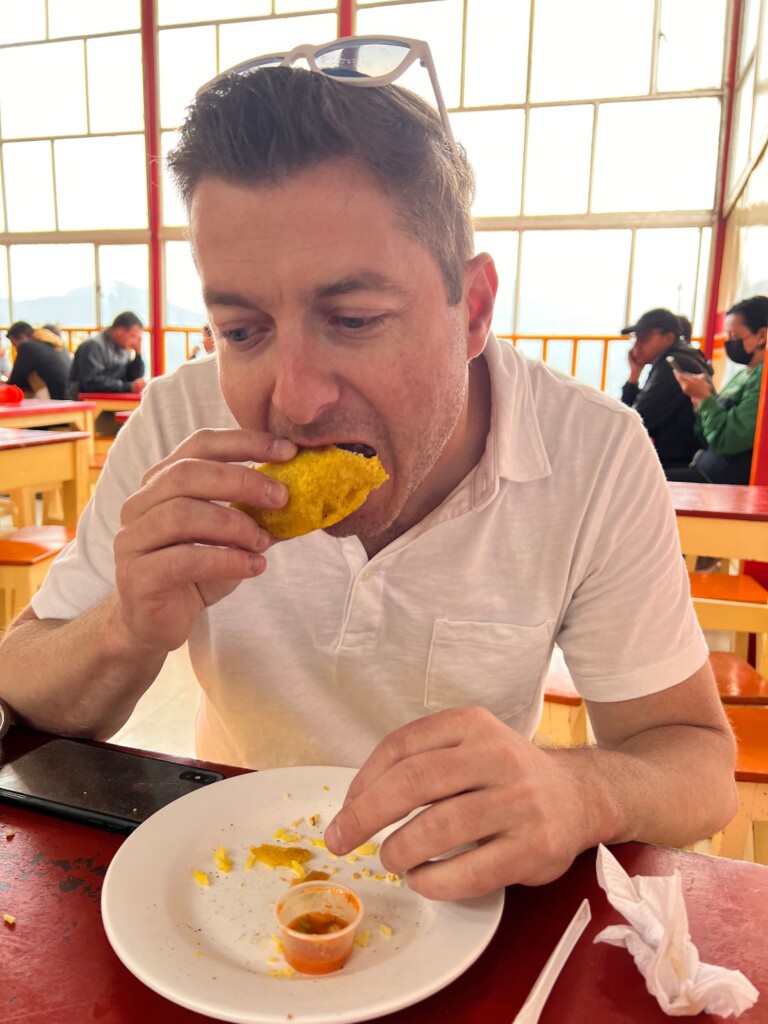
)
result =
(318, 921)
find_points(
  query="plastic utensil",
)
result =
(534, 1004)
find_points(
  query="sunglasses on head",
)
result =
(361, 61)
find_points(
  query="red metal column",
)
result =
(713, 323)
(152, 136)
(346, 18)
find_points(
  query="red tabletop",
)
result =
(123, 415)
(120, 396)
(39, 406)
(720, 501)
(57, 967)
(11, 437)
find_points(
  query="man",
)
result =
(110, 361)
(664, 409)
(42, 364)
(332, 232)
(208, 344)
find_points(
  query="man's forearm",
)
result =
(80, 677)
(669, 786)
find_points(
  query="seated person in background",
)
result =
(665, 412)
(686, 328)
(725, 423)
(5, 359)
(208, 344)
(42, 365)
(333, 235)
(110, 361)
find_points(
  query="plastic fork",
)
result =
(534, 1004)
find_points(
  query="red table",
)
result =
(722, 520)
(57, 967)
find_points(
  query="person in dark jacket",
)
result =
(110, 361)
(668, 417)
(42, 363)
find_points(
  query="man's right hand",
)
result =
(179, 550)
(635, 368)
(138, 385)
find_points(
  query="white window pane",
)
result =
(592, 48)
(691, 44)
(89, 17)
(42, 90)
(111, 109)
(251, 39)
(29, 186)
(174, 211)
(187, 59)
(742, 127)
(664, 273)
(702, 291)
(5, 307)
(54, 283)
(101, 182)
(753, 273)
(573, 281)
(21, 22)
(295, 6)
(494, 143)
(123, 281)
(656, 155)
(2, 204)
(441, 25)
(496, 55)
(750, 15)
(185, 12)
(183, 294)
(760, 124)
(559, 154)
(502, 245)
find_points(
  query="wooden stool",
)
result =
(25, 557)
(719, 587)
(564, 715)
(749, 828)
(737, 682)
(95, 466)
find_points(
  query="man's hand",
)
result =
(635, 368)
(138, 385)
(178, 551)
(477, 782)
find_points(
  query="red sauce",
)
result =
(317, 923)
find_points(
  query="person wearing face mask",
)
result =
(726, 422)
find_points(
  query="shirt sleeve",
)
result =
(632, 582)
(730, 431)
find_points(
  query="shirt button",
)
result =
(367, 575)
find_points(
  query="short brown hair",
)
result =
(270, 124)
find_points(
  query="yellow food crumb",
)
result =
(250, 860)
(367, 849)
(286, 972)
(298, 868)
(200, 877)
(285, 836)
(384, 929)
(394, 878)
(325, 789)
(367, 873)
(314, 819)
(198, 952)
(356, 875)
(318, 842)
(223, 862)
(277, 942)
(9, 919)
(10, 834)
(363, 938)
(296, 823)
(351, 857)
(272, 959)
(379, 876)
(280, 856)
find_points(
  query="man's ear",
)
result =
(480, 285)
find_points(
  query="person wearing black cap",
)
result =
(668, 417)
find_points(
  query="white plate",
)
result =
(211, 949)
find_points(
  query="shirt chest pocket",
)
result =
(496, 665)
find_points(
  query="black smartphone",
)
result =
(98, 786)
(675, 365)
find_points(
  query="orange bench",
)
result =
(737, 682)
(720, 587)
(25, 557)
(748, 831)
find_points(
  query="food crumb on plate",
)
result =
(314, 819)
(223, 862)
(285, 972)
(367, 849)
(385, 930)
(9, 919)
(363, 938)
(10, 834)
(200, 877)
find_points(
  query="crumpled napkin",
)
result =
(658, 939)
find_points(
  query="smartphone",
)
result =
(98, 786)
(675, 365)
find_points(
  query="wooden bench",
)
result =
(747, 833)
(737, 682)
(564, 715)
(25, 557)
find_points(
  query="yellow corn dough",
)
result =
(325, 484)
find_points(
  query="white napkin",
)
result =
(658, 939)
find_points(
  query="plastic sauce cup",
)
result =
(304, 913)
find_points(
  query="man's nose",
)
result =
(306, 386)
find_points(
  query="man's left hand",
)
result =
(474, 781)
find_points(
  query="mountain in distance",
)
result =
(76, 308)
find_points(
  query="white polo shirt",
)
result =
(564, 531)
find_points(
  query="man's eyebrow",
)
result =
(369, 280)
(215, 298)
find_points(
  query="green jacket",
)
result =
(729, 428)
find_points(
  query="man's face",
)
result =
(127, 337)
(649, 345)
(332, 325)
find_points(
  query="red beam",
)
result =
(346, 19)
(152, 137)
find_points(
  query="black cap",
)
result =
(655, 319)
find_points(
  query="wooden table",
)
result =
(110, 401)
(722, 520)
(56, 965)
(37, 412)
(41, 460)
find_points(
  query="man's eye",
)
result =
(236, 334)
(355, 323)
